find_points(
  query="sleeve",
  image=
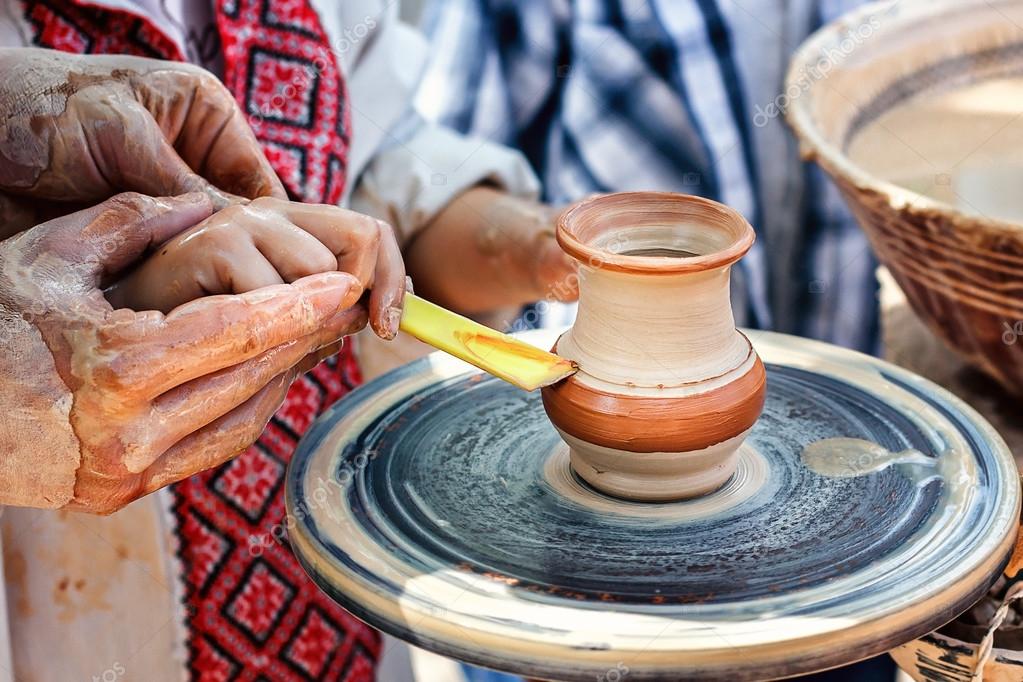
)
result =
(428, 165)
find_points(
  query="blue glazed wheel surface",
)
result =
(868, 508)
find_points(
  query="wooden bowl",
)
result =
(907, 107)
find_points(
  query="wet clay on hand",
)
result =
(266, 242)
(79, 128)
(100, 406)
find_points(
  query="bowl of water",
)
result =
(915, 110)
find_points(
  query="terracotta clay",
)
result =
(667, 387)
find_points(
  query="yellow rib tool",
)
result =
(504, 356)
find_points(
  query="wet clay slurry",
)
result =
(845, 457)
(667, 387)
(483, 345)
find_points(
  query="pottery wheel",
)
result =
(869, 507)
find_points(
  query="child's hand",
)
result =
(271, 241)
(505, 249)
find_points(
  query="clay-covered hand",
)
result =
(100, 406)
(79, 128)
(505, 251)
(271, 241)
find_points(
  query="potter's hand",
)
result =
(100, 406)
(271, 241)
(504, 250)
(79, 128)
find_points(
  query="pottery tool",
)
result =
(504, 356)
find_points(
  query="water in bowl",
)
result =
(962, 146)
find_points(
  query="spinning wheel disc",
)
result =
(869, 507)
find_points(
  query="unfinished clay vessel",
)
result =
(667, 387)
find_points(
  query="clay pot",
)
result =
(667, 387)
(936, 189)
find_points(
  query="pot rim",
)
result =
(689, 206)
(815, 147)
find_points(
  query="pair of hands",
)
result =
(80, 129)
(102, 404)
(115, 403)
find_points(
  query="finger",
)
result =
(247, 269)
(213, 137)
(221, 440)
(115, 233)
(319, 356)
(102, 492)
(207, 335)
(293, 252)
(137, 156)
(388, 294)
(191, 406)
(365, 247)
(352, 237)
(163, 283)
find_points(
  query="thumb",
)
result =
(114, 234)
(213, 135)
(146, 162)
(232, 158)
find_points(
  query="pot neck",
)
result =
(654, 330)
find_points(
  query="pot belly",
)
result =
(656, 448)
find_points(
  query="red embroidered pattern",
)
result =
(254, 613)
(82, 28)
(279, 65)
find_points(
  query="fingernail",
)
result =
(409, 289)
(393, 321)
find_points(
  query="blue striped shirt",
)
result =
(679, 95)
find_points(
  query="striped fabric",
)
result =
(680, 95)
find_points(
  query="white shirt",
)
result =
(92, 597)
